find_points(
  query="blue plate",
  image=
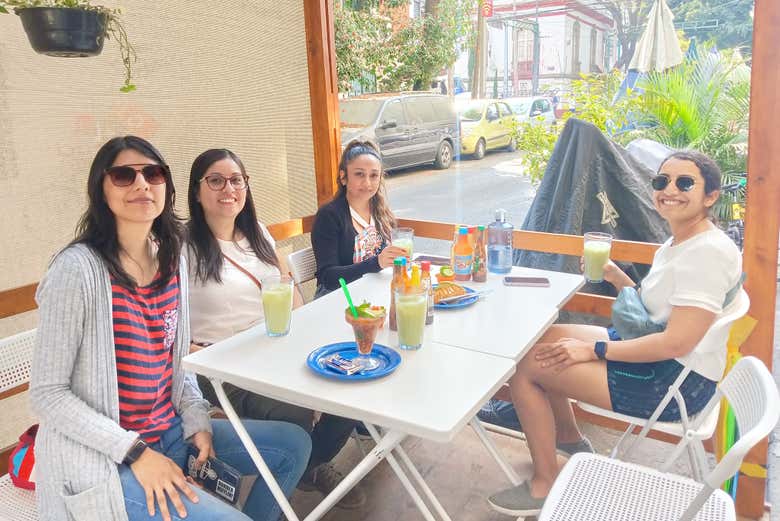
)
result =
(462, 303)
(388, 360)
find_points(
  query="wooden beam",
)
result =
(587, 303)
(291, 228)
(625, 251)
(762, 219)
(17, 300)
(323, 95)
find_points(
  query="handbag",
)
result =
(630, 317)
(21, 462)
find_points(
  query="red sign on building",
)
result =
(487, 8)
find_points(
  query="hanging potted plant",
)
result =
(73, 28)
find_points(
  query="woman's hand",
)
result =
(564, 353)
(390, 252)
(203, 442)
(612, 274)
(159, 476)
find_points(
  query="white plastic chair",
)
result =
(303, 265)
(707, 422)
(591, 486)
(15, 360)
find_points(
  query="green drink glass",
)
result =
(596, 254)
(277, 304)
(411, 308)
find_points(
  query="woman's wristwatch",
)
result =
(600, 348)
(136, 449)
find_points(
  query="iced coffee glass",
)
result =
(365, 329)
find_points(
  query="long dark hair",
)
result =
(97, 227)
(201, 241)
(380, 210)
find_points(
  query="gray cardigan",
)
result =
(73, 391)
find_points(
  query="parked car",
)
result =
(562, 107)
(485, 125)
(534, 109)
(410, 129)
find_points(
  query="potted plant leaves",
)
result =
(73, 28)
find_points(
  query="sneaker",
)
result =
(325, 478)
(570, 449)
(517, 501)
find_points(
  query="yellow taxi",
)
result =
(485, 125)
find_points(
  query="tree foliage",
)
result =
(735, 23)
(381, 50)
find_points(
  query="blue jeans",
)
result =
(285, 448)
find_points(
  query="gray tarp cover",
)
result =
(592, 184)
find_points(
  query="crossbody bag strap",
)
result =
(244, 271)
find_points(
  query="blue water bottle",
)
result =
(500, 244)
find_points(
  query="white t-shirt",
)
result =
(220, 310)
(698, 273)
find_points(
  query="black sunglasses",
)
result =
(125, 175)
(684, 183)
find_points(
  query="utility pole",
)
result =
(480, 58)
(506, 59)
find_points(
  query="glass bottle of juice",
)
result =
(472, 236)
(426, 281)
(479, 271)
(452, 246)
(464, 255)
(399, 281)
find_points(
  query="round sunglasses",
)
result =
(684, 183)
(216, 182)
(125, 175)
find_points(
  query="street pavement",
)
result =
(468, 192)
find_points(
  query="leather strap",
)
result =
(244, 271)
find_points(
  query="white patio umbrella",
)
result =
(658, 49)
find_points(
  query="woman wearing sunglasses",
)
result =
(687, 288)
(117, 412)
(229, 254)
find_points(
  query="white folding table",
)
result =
(466, 357)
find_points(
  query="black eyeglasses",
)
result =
(684, 183)
(124, 175)
(216, 182)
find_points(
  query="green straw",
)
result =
(349, 298)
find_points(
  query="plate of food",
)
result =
(449, 295)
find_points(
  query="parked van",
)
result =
(410, 129)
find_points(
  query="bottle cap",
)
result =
(481, 227)
(463, 231)
(425, 265)
(400, 261)
(501, 215)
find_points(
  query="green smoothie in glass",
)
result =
(595, 255)
(277, 305)
(411, 308)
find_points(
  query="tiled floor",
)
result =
(461, 474)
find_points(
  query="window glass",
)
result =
(420, 110)
(394, 111)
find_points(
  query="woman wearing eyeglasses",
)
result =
(117, 412)
(229, 254)
(688, 287)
